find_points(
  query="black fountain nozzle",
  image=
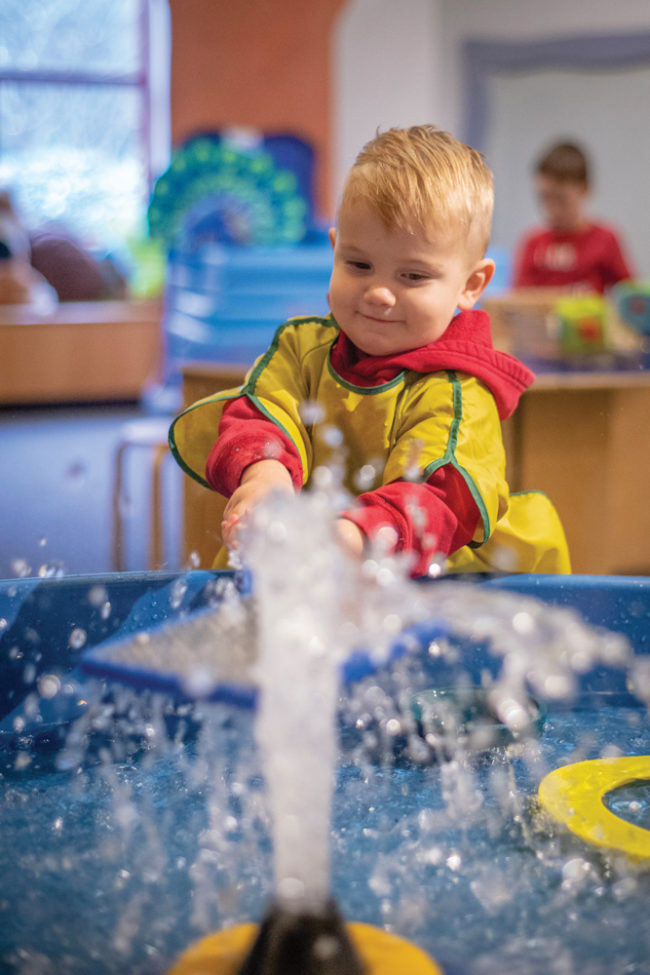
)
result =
(302, 942)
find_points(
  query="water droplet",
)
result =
(576, 872)
(77, 638)
(435, 649)
(523, 623)
(48, 685)
(325, 947)
(611, 751)
(393, 727)
(365, 477)
(97, 595)
(332, 436)
(51, 570)
(3, 624)
(433, 855)
(20, 568)
(311, 411)
(558, 686)
(199, 683)
(177, 593)
(29, 674)
(625, 888)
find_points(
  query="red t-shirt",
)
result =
(590, 259)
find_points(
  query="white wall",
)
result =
(519, 20)
(387, 63)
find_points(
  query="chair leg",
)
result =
(156, 542)
(118, 560)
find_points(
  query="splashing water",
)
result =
(301, 646)
(430, 832)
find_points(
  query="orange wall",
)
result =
(264, 63)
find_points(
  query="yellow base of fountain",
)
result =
(382, 953)
(573, 796)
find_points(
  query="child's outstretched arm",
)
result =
(257, 480)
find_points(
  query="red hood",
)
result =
(466, 345)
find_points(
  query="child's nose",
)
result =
(379, 294)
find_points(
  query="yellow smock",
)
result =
(405, 428)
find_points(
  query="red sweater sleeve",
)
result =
(246, 436)
(439, 516)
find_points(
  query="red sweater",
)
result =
(450, 512)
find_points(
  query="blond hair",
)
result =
(422, 177)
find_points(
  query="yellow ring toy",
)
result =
(573, 795)
(223, 952)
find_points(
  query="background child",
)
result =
(408, 386)
(573, 251)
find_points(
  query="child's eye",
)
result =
(358, 265)
(414, 276)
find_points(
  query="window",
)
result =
(83, 112)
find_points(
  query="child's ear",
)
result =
(476, 283)
(332, 236)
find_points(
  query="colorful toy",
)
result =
(582, 324)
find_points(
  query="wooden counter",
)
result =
(99, 350)
(583, 438)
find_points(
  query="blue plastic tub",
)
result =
(119, 865)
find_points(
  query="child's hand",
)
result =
(350, 537)
(257, 481)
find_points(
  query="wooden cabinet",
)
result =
(84, 350)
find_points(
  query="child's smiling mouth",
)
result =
(381, 321)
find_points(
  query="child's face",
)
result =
(561, 202)
(392, 291)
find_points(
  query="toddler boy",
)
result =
(403, 372)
